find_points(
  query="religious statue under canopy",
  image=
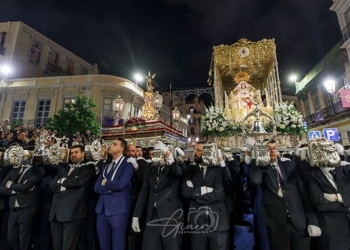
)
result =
(243, 98)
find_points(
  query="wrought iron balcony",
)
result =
(327, 114)
(346, 32)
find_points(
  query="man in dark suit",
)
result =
(140, 167)
(160, 196)
(4, 210)
(329, 189)
(114, 204)
(70, 200)
(286, 209)
(208, 216)
(22, 185)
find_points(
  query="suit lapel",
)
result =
(273, 175)
(163, 173)
(119, 170)
(320, 175)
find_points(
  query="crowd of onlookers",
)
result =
(26, 136)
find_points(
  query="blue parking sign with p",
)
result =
(331, 134)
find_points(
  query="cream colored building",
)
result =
(45, 76)
(32, 100)
(30, 54)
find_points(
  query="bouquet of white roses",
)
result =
(288, 119)
(215, 123)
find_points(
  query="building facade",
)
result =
(192, 109)
(320, 108)
(31, 54)
(33, 100)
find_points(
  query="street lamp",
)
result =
(118, 105)
(5, 69)
(176, 117)
(329, 84)
(157, 103)
(293, 78)
(138, 78)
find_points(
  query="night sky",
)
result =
(174, 38)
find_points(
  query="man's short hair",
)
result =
(271, 141)
(78, 146)
(138, 147)
(123, 143)
(150, 148)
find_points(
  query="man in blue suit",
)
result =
(114, 204)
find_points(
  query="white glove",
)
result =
(227, 155)
(61, 180)
(221, 159)
(329, 197)
(250, 143)
(8, 184)
(179, 153)
(133, 161)
(298, 152)
(243, 149)
(160, 145)
(135, 225)
(189, 183)
(344, 163)
(209, 189)
(303, 153)
(204, 190)
(170, 160)
(314, 231)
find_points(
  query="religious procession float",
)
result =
(147, 130)
(248, 100)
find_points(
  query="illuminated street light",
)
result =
(5, 69)
(157, 104)
(329, 84)
(138, 78)
(293, 78)
(176, 117)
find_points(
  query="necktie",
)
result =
(334, 174)
(20, 174)
(203, 174)
(71, 170)
(157, 177)
(112, 169)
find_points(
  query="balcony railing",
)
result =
(53, 70)
(346, 32)
(325, 114)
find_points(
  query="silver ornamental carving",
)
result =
(210, 154)
(64, 150)
(262, 156)
(54, 154)
(158, 157)
(27, 157)
(322, 153)
(104, 151)
(13, 155)
(95, 150)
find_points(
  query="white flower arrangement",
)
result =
(288, 119)
(215, 123)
